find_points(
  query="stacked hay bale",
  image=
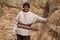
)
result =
(46, 31)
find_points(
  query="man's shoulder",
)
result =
(31, 13)
(20, 12)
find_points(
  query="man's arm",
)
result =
(15, 25)
(25, 27)
(41, 19)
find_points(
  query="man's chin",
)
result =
(25, 10)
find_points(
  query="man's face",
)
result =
(26, 8)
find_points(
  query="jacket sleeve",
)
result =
(41, 19)
(15, 25)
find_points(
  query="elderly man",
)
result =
(24, 20)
